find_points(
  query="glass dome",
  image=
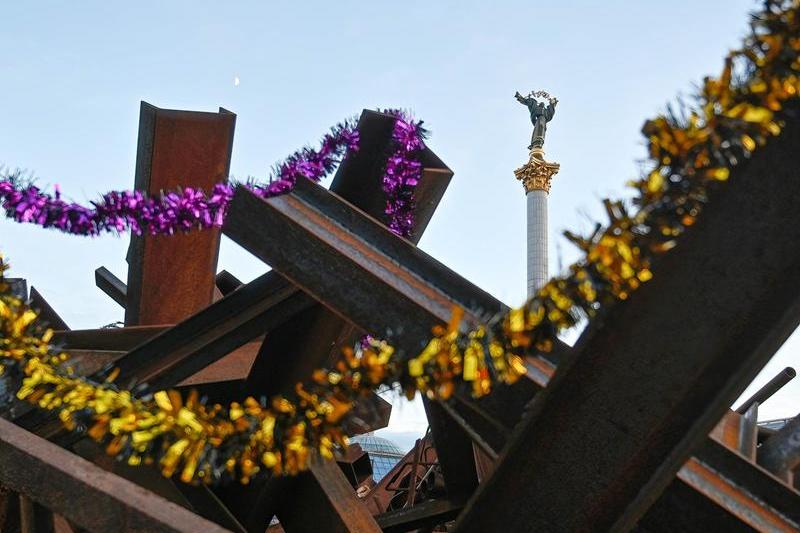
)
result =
(383, 453)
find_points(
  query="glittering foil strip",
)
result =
(188, 209)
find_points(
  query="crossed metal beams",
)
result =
(650, 424)
(646, 383)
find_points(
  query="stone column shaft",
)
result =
(535, 175)
(537, 240)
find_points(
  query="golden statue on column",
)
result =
(537, 173)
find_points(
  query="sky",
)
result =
(74, 74)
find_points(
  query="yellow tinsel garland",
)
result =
(736, 114)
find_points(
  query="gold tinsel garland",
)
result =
(735, 114)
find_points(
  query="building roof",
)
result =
(383, 453)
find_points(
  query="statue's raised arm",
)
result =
(521, 99)
(551, 110)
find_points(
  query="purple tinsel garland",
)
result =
(402, 173)
(191, 208)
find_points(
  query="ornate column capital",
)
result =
(537, 173)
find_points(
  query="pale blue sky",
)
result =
(74, 73)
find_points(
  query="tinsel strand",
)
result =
(189, 208)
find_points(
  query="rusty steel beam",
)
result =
(116, 289)
(170, 277)
(227, 282)
(328, 502)
(387, 279)
(320, 499)
(682, 508)
(359, 180)
(83, 493)
(454, 450)
(719, 490)
(212, 333)
(647, 381)
(780, 454)
(351, 263)
(114, 339)
(741, 489)
(715, 490)
(297, 233)
(315, 335)
(748, 432)
(110, 284)
(46, 311)
(425, 514)
(234, 366)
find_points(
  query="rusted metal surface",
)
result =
(235, 365)
(359, 181)
(728, 430)
(372, 278)
(374, 270)
(684, 509)
(474, 434)
(748, 432)
(645, 384)
(321, 499)
(765, 393)
(46, 311)
(373, 265)
(365, 265)
(454, 450)
(171, 277)
(227, 282)
(419, 469)
(110, 284)
(742, 489)
(314, 336)
(211, 333)
(83, 493)
(62, 525)
(329, 249)
(327, 501)
(270, 373)
(204, 502)
(484, 464)
(425, 514)
(780, 454)
(87, 362)
(27, 520)
(117, 339)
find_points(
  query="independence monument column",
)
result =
(535, 176)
